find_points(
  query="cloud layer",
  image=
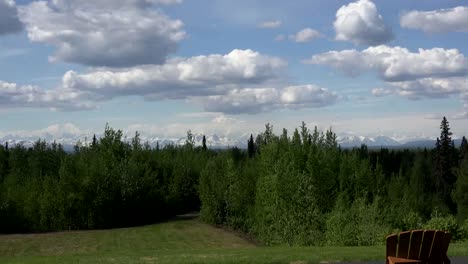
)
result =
(254, 101)
(437, 21)
(360, 23)
(9, 22)
(181, 78)
(270, 24)
(395, 63)
(103, 33)
(233, 83)
(14, 95)
(428, 73)
(305, 35)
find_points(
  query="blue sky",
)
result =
(162, 67)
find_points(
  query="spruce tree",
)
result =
(444, 163)
(464, 149)
(251, 146)
(305, 135)
(94, 143)
(204, 148)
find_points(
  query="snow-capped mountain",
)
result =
(212, 141)
(68, 141)
(356, 141)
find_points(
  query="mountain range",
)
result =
(218, 142)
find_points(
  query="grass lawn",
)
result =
(182, 241)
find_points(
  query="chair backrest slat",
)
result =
(437, 246)
(415, 247)
(445, 243)
(392, 241)
(426, 245)
(404, 244)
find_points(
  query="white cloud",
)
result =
(14, 95)
(305, 35)
(231, 83)
(51, 132)
(252, 101)
(395, 63)
(103, 33)
(307, 96)
(432, 87)
(181, 78)
(436, 21)
(360, 23)
(380, 92)
(167, 2)
(270, 24)
(9, 22)
(435, 88)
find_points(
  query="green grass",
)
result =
(183, 241)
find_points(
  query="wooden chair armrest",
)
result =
(395, 260)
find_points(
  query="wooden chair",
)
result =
(418, 246)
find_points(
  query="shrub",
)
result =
(445, 223)
(359, 225)
(412, 221)
(464, 230)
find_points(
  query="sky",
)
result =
(161, 67)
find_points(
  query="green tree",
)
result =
(461, 190)
(444, 164)
(251, 146)
(204, 148)
(190, 139)
(464, 149)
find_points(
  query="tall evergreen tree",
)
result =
(464, 149)
(204, 148)
(251, 146)
(444, 164)
(305, 135)
(94, 143)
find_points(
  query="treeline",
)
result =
(304, 190)
(298, 189)
(108, 184)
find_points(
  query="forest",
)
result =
(290, 189)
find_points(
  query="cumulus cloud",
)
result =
(252, 101)
(167, 2)
(113, 33)
(361, 23)
(432, 87)
(9, 22)
(380, 92)
(14, 95)
(181, 78)
(270, 24)
(231, 83)
(396, 64)
(437, 21)
(305, 35)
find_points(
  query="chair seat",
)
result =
(395, 260)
